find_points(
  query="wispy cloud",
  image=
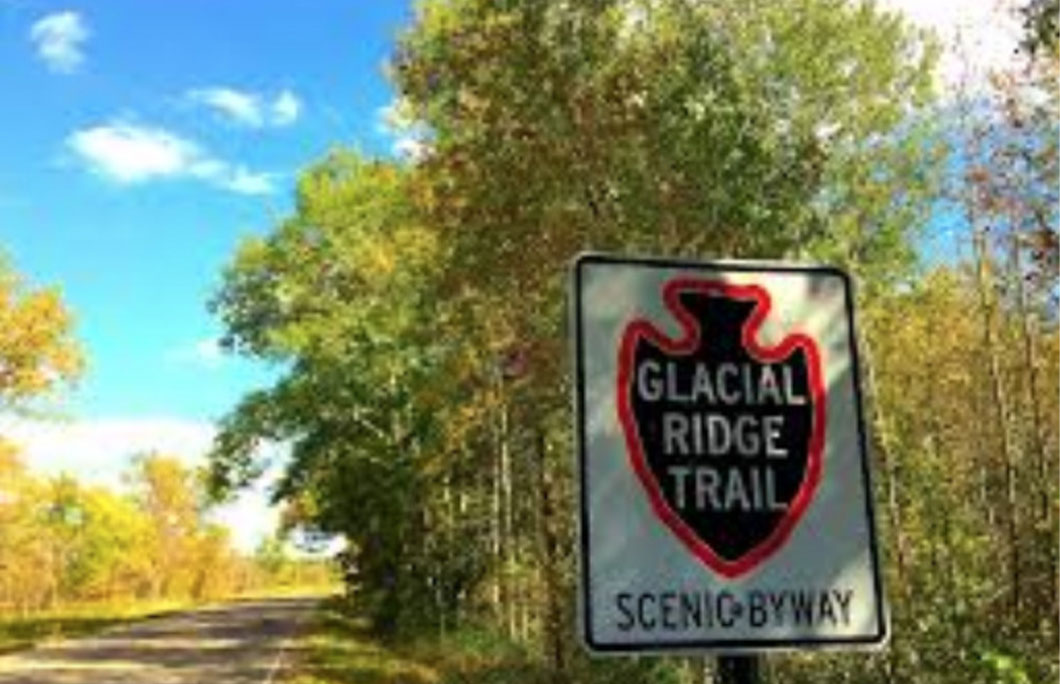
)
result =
(243, 181)
(59, 37)
(250, 109)
(206, 353)
(236, 106)
(128, 154)
(286, 109)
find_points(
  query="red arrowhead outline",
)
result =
(641, 328)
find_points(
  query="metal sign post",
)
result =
(738, 670)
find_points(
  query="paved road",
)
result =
(240, 643)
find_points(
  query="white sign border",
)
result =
(875, 641)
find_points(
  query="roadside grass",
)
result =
(18, 632)
(336, 648)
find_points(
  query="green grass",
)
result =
(339, 649)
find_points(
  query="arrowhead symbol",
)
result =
(725, 435)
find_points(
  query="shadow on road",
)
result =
(236, 644)
(23, 633)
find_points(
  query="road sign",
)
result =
(725, 500)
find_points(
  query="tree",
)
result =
(341, 290)
(167, 494)
(37, 350)
(23, 550)
(114, 541)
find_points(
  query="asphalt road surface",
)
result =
(239, 643)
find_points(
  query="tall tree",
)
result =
(168, 494)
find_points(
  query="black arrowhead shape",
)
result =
(725, 434)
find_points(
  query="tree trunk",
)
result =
(885, 445)
(507, 542)
(1028, 333)
(554, 636)
(885, 448)
(1001, 413)
(495, 527)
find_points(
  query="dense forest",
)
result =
(420, 305)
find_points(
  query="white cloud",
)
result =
(286, 109)
(206, 353)
(59, 37)
(245, 182)
(129, 154)
(100, 451)
(249, 109)
(976, 37)
(240, 107)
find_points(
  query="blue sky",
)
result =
(140, 144)
(138, 255)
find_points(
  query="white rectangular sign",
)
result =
(725, 500)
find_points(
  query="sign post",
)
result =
(725, 503)
(737, 669)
